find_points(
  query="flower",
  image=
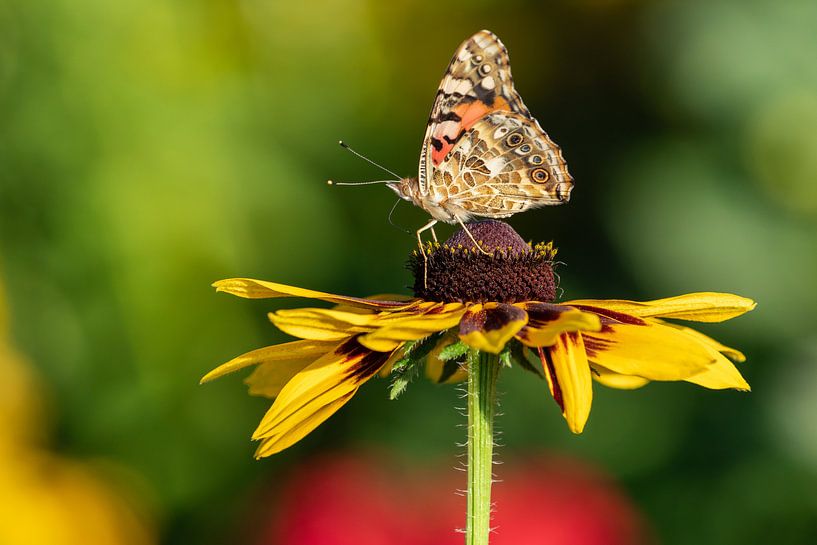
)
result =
(467, 301)
(47, 498)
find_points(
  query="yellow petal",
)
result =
(291, 435)
(261, 289)
(720, 375)
(731, 353)
(698, 307)
(649, 350)
(279, 352)
(391, 297)
(311, 324)
(608, 378)
(547, 321)
(445, 372)
(351, 318)
(568, 373)
(268, 379)
(488, 327)
(426, 309)
(335, 324)
(410, 327)
(315, 393)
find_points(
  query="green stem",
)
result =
(483, 369)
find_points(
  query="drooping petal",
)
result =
(698, 307)
(295, 350)
(547, 321)
(488, 327)
(731, 353)
(608, 378)
(315, 393)
(269, 378)
(720, 375)
(261, 289)
(646, 349)
(395, 330)
(568, 374)
(292, 434)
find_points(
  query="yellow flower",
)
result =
(620, 344)
(46, 498)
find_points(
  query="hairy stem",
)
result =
(483, 369)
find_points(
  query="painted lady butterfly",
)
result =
(483, 154)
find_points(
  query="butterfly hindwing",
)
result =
(502, 165)
(478, 81)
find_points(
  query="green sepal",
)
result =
(407, 368)
(453, 351)
(505, 357)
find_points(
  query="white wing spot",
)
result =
(500, 132)
(495, 165)
(450, 85)
(446, 128)
(463, 87)
(488, 83)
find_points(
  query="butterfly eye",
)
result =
(514, 140)
(539, 175)
(524, 148)
(485, 69)
(535, 159)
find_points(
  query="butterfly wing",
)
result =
(478, 81)
(504, 164)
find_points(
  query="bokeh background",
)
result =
(148, 148)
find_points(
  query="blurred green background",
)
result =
(148, 148)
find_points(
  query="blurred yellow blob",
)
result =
(46, 499)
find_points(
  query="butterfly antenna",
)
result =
(333, 182)
(381, 167)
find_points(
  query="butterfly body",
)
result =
(483, 154)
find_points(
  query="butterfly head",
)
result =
(407, 189)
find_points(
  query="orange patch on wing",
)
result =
(469, 114)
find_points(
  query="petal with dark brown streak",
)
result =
(488, 327)
(547, 321)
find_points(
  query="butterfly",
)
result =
(483, 154)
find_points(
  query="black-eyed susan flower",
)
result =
(467, 303)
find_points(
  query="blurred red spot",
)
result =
(363, 500)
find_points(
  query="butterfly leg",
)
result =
(427, 226)
(434, 234)
(472, 237)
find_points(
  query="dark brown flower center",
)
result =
(458, 271)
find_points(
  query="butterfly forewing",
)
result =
(477, 81)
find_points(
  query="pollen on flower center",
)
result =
(458, 271)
